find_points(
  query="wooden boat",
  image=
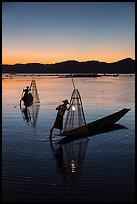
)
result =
(97, 125)
(100, 131)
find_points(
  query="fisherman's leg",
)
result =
(51, 130)
(61, 127)
(50, 136)
(61, 131)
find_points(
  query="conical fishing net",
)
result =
(34, 92)
(75, 116)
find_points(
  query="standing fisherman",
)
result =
(26, 91)
(59, 118)
(27, 98)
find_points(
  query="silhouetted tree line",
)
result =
(122, 66)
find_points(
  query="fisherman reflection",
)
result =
(26, 115)
(58, 154)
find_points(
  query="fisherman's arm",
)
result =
(70, 106)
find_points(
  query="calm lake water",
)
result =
(94, 169)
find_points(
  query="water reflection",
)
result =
(57, 150)
(69, 152)
(30, 114)
(25, 114)
(69, 156)
(74, 153)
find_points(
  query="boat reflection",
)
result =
(30, 114)
(69, 156)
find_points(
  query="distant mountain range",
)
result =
(124, 66)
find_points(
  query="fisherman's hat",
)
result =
(65, 101)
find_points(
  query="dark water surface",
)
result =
(93, 169)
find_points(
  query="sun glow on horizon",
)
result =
(13, 60)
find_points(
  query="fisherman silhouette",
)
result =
(27, 98)
(59, 118)
(26, 91)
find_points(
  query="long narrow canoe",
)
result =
(97, 125)
(100, 131)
